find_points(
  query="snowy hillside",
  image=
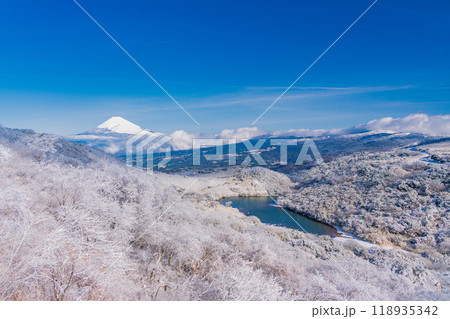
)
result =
(99, 230)
(390, 198)
(46, 148)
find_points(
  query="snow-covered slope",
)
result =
(46, 148)
(5, 152)
(110, 136)
(116, 125)
(64, 226)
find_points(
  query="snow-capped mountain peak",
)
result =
(119, 125)
(110, 136)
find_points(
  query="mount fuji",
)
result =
(116, 125)
(110, 136)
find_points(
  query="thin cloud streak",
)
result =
(246, 98)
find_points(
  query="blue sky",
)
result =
(224, 61)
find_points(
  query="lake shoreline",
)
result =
(339, 232)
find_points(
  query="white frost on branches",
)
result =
(76, 224)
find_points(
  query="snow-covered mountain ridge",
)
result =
(46, 148)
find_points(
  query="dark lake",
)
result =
(265, 209)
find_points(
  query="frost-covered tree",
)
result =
(77, 225)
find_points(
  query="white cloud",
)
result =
(182, 140)
(437, 125)
(85, 137)
(243, 133)
(112, 149)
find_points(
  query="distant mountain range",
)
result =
(112, 135)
